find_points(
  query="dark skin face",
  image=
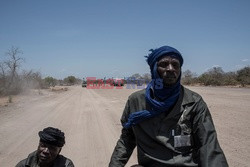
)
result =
(47, 154)
(169, 69)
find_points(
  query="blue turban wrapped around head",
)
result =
(160, 100)
(156, 54)
(152, 59)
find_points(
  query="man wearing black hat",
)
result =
(170, 125)
(47, 153)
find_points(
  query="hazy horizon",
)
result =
(111, 38)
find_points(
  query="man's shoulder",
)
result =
(191, 95)
(62, 160)
(27, 161)
(138, 94)
(21, 163)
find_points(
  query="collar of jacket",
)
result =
(187, 96)
(32, 159)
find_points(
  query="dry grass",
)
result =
(58, 88)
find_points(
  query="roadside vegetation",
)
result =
(14, 80)
(213, 77)
(217, 77)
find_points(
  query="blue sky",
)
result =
(110, 38)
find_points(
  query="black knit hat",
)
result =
(52, 136)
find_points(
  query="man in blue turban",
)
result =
(170, 124)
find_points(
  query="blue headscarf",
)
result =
(168, 95)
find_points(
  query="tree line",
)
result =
(217, 77)
(213, 77)
(12, 81)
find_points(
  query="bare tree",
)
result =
(2, 70)
(12, 64)
(146, 77)
(2, 77)
(31, 79)
(188, 77)
(136, 76)
(14, 61)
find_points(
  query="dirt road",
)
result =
(90, 120)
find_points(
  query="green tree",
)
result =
(50, 81)
(214, 77)
(230, 78)
(70, 80)
(243, 76)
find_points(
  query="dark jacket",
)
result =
(32, 160)
(183, 136)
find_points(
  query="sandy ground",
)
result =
(90, 120)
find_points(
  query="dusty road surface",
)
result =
(90, 120)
